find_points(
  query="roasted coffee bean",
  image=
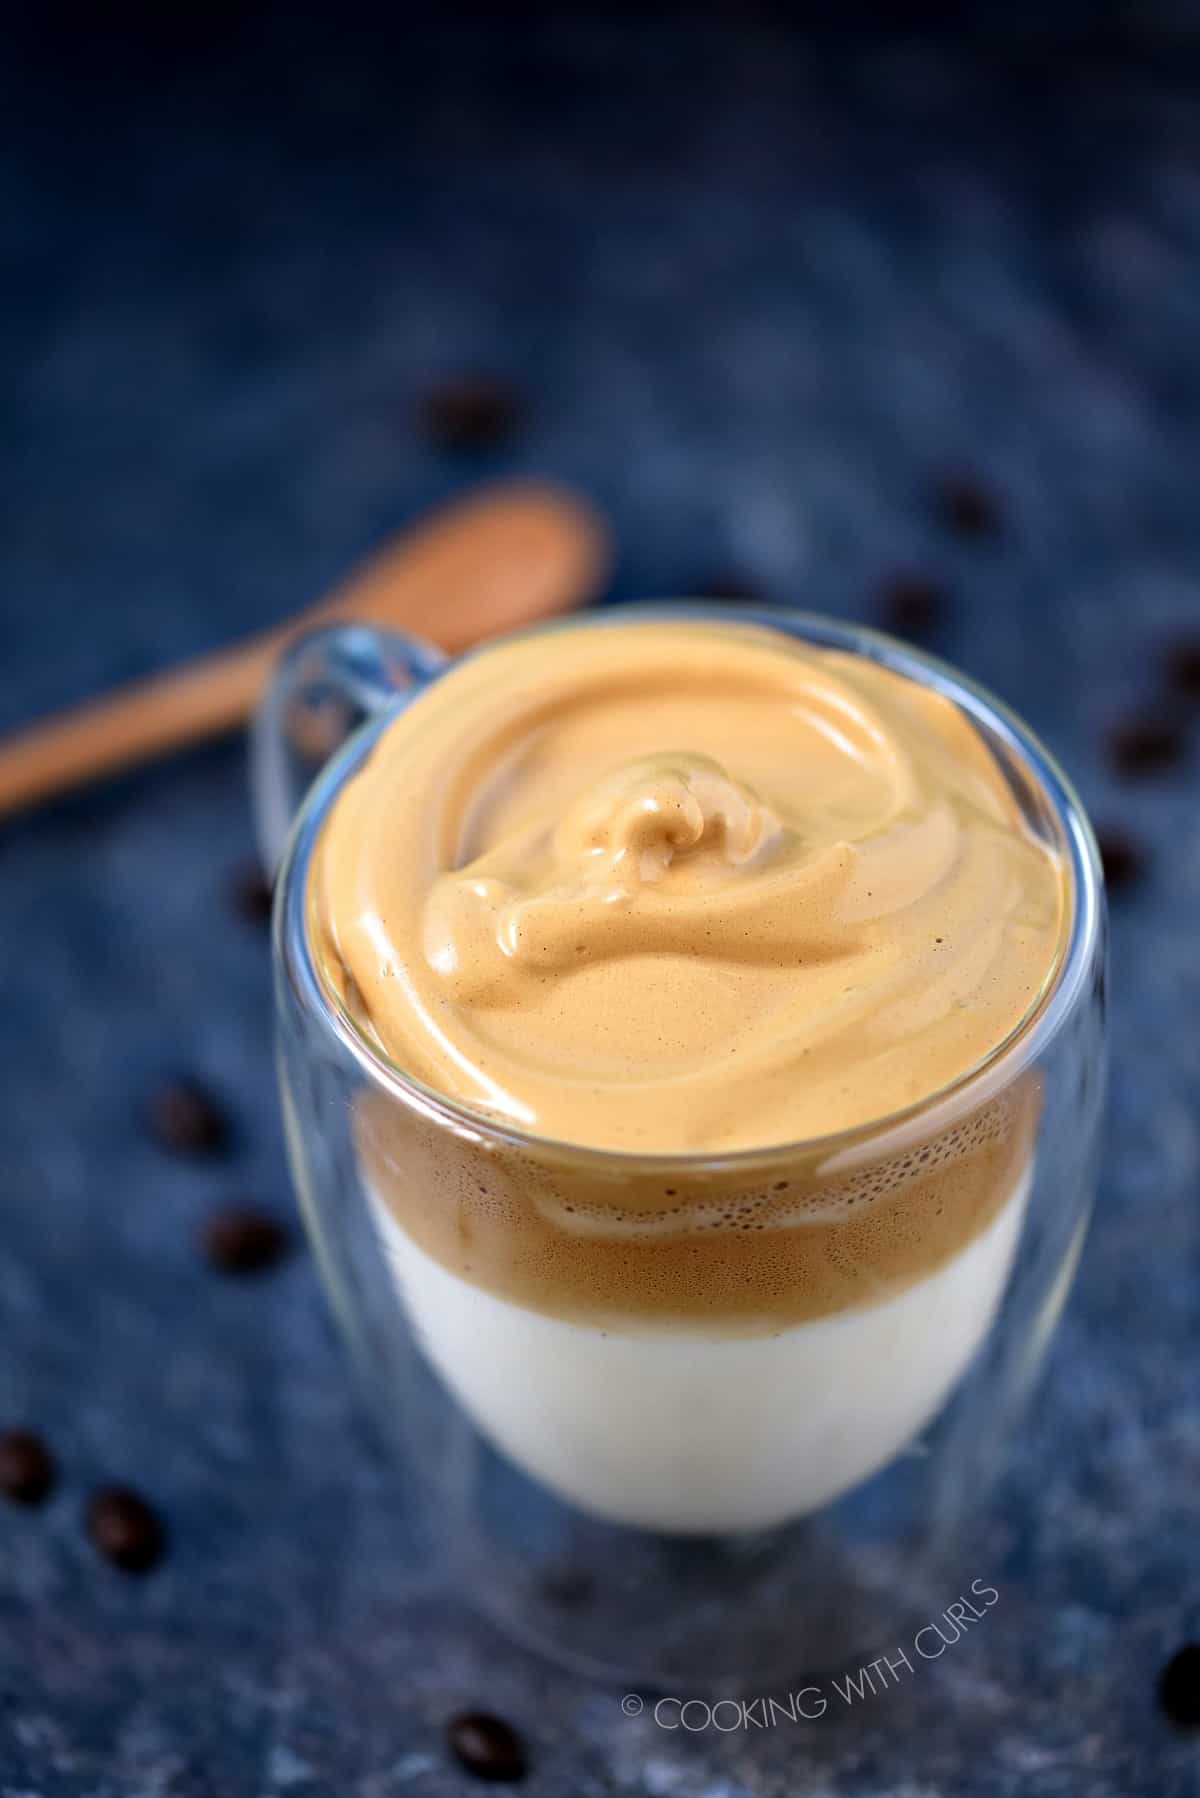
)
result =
(241, 1239)
(185, 1118)
(1124, 859)
(486, 1746)
(251, 894)
(124, 1529)
(1146, 745)
(1179, 1686)
(471, 413)
(728, 583)
(27, 1470)
(912, 605)
(1181, 666)
(967, 507)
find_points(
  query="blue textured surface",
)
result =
(759, 291)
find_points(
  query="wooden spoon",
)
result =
(478, 567)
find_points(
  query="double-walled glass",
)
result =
(672, 1500)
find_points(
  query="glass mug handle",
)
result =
(326, 683)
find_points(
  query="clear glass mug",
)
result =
(645, 1504)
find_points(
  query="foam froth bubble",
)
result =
(776, 1206)
(755, 1250)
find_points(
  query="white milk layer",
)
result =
(687, 1431)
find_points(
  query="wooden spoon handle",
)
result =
(479, 567)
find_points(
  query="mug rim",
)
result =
(992, 1073)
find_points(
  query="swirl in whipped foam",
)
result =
(679, 886)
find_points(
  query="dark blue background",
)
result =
(761, 283)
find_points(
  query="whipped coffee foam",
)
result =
(669, 887)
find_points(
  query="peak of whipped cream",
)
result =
(684, 886)
(651, 814)
(637, 860)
